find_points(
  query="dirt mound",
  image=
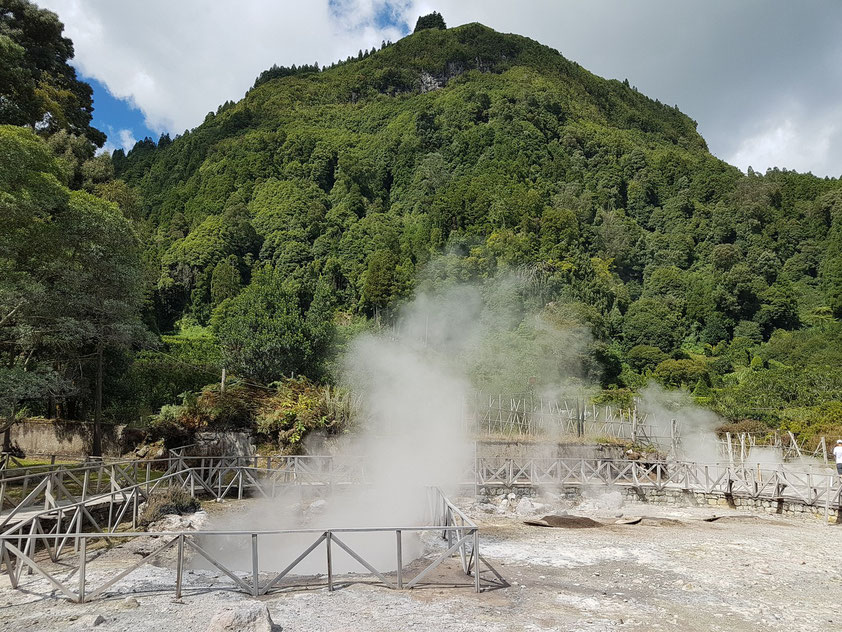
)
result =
(654, 521)
(565, 522)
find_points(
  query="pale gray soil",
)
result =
(736, 574)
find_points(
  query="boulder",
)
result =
(88, 621)
(175, 522)
(525, 507)
(611, 500)
(242, 617)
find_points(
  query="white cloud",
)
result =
(176, 61)
(794, 143)
(726, 64)
(126, 140)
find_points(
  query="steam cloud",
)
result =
(413, 437)
(413, 382)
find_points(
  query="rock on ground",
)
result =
(526, 507)
(244, 617)
(88, 621)
(609, 501)
(175, 522)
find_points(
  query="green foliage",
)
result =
(645, 357)
(824, 420)
(225, 281)
(70, 281)
(265, 333)
(432, 20)
(168, 426)
(682, 372)
(283, 414)
(183, 362)
(297, 408)
(654, 323)
(465, 155)
(38, 88)
(379, 285)
(452, 156)
(166, 501)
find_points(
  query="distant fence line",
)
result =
(26, 493)
(51, 515)
(531, 415)
(528, 415)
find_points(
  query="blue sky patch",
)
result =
(118, 118)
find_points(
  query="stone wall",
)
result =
(679, 498)
(222, 444)
(44, 437)
(64, 438)
(686, 498)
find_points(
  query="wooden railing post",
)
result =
(255, 588)
(399, 559)
(179, 571)
(328, 536)
(83, 548)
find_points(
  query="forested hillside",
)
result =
(324, 199)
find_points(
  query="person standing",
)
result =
(837, 452)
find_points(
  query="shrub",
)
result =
(167, 425)
(298, 407)
(619, 398)
(642, 357)
(232, 410)
(677, 372)
(172, 500)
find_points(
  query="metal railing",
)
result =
(814, 487)
(53, 523)
(236, 476)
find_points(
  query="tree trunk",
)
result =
(7, 432)
(96, 448)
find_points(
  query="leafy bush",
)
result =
(680, 372)
(299, 407)
(232, 410)
(814, 422)
(619, 398)
(163, 502)
(643, 357)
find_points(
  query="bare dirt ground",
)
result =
(671, 571)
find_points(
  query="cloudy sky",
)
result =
(763, 78)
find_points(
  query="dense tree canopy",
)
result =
(70, 287)
(265, 334)
(465, 154)
(38, 88)
(432, 20)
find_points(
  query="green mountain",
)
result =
(461, 153)
(323, 199)
(462, 138)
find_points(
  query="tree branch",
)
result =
(12, 313)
